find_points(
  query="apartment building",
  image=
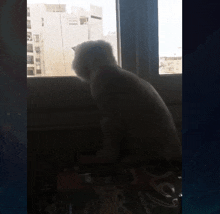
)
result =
(52, 32)
(30, 51)
(111, 37)
(170, 65)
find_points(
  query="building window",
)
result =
(28, 11)
(30, 59)
(29, 48)
(170, 69)
(29, 36)
(37, 49)
(73, 22)
(55, 7)
(96, 17)
(37, 59)
(36, 38)
(42, 20)
(83, 20)
(38, 71)
(28, 24)
(30, 71)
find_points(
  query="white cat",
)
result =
(130, 106)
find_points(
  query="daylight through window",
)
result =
(170, 36)
(58, 26)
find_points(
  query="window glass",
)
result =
(36, 38)
(73, 21)
(38, 71)
(29, 36)
(170, 36)
(83, 20)
(30, 71)
(28, 11)
(37, 49)
(30, 59)
(28, 24)
(29, 48)
(57, 26)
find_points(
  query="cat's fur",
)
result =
(130, 106)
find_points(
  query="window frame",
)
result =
(140, 50)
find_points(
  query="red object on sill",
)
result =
(69, 181)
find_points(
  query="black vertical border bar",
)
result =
(13, 107)
(201, 107)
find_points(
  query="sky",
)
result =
(170, 20)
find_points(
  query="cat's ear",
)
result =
(74, 48)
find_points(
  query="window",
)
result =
(38, 71)
(83, 20)
(73, 22)
(37, 49)
(30, 59)
(28, 11)
(28, 24)
(36, 38)
(55, 7)
(37, 59)
(29, 36)
(56, 34)
(98, 21)
(29, 48)
(96, 17)
(30, 71)
(170, 35)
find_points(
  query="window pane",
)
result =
(28, 11)
(37, 59)
(37, 49)
(39, 71)
(83, 20)
(28, 24)
(29, 36)
(36, 38)
(30, 59)
(29, 48)
(170, 36)
(58, 26)
(30, 71)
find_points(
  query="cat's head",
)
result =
(89, 56)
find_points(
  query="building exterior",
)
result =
(111, 37)
(30, 51)
(51, 34)
(170, 65)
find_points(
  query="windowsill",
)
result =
(65, 101)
